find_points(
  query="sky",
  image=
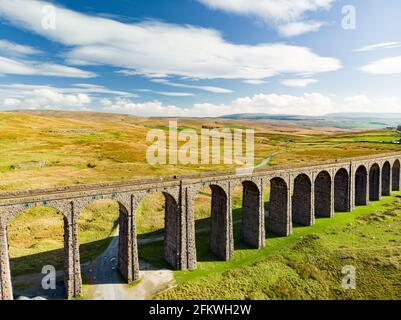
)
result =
(201, 58)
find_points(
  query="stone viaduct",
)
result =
(298, 194)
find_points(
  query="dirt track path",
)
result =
(110, 286)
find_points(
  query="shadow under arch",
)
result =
(395, 179)
(278, 215)
(374, 182)
(302, 213)
(361, 186)
(386, 179)
(214, 228)
(323, 195)
(341, 191)
(252, 231)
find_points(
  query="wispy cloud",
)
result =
(167, 93)
(301, 83)
(297, 28)
(190, 86)
(12, 48)
(24, 67)
(287, 15)
(254, 82)
(390, 65)
(384, 45)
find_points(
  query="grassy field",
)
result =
(75, 148)
(306, 265)
(48, 149)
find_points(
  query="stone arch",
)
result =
(302, 212)
(374, 182)
(279, 215)
(395, 178)
(341, 191)
(386, 179)
(252, 225)
(323, 195)
(361, 186)
(221, 236)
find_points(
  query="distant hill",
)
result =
(364, 115)
(352, 120)
(265, 116)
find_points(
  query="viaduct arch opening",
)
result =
(361, 186)
(395, 179)
(98, 230)
(221, 241)
(36, 239)
(252, 230)
(214, 224)
(374, 182)
(302, 211)
(386, 179)
(341, 191)
(158, 213)
(279, 215)
(323, 198)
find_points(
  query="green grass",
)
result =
(305, 265)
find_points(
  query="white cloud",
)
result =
(48, 98)
(363, 103)
(23, 67)
(313, 104)
(167, 93)
(357, 101)
(16, 89)
(307, 104)
(10, 102)
(151, 108)
(254, 82)
(384, 66)
(297, 28)
(93, 88)
(11, 48)
(156, 48)
(23, 96)
(106, 102)
(385, 45)
(275, 10)
(128, 72)
(174, 94)
(301, 83)
(190, 86)
(287, 15)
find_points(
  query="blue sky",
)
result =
(201, 57)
